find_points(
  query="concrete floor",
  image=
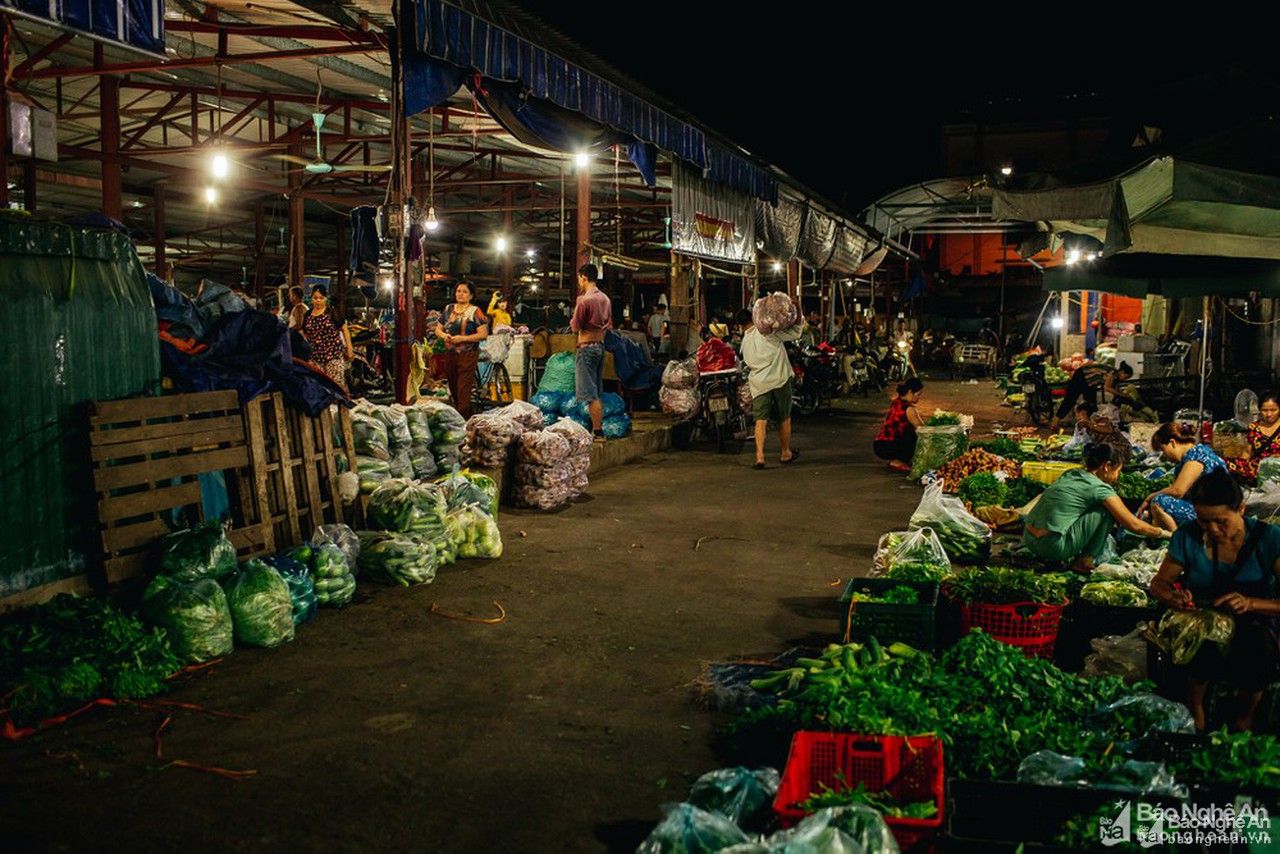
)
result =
(562, 728)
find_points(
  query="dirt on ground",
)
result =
(385, 726)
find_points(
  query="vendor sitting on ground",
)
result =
(1177, 444)
(1228, 562)
(1263, 437)
(1073, 517)
(896, 441)
(1096, 384)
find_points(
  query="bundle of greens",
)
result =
(915, 555)
(1020, 490)
(999, 585)
(942, 419)
(901, 595)
(990, 705)
(1235, 759)
(1007, 448)
(1109, 592)
(195, 617)
(883, 802)
(914, 571)
(200, 552)
(261, 608)
(68, 651)
(983, 489)
(1136, 487)
(936, 446)
(397, 558)
(1182, 633)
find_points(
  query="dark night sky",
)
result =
(853, 108)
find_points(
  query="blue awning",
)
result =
(453, 37)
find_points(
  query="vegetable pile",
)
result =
(68, 651)
(915, 555)
(408, 507)
(1111, 592)
(1135, 486)
(194, 617)
(997, 585)
(900, 595)
(954, 473)
(334, 581)
(983, 489)
(1007, 448)
(942, 419)
(397, 558)
(1020, 490)
(261, 608)
(1236, 759)
(883, 802)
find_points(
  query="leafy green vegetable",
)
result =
(942, 419)
(998, 585)
(983, 489)
(1006, 448)
(261, 608)
(195, 616)
(1020, 491)
(882, 801)
(1135, 486)
(901, 595)
(918, 571)
(1111, 592)
(200, 552)
(65, 652)
(1240, 759)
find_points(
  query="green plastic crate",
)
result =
(915, 625)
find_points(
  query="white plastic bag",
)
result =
(965, 538)
(523, 413)
(680, 374)
(682, 404)
(917, 549)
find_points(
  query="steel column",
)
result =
(157, 210)
(110, 117)
(583, 220)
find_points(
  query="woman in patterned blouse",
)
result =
(328, 336)
(1177, 444)
(1263, 436)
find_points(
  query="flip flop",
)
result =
(759, 466)
(795, 455)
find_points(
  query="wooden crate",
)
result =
(294, 466)
(147, 456)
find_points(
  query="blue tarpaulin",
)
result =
(450, 45)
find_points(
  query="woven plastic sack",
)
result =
(682, 404)
(854, 829)
(546, 477)
(194, 616)
(579, 437)
(558, 374)
(936, 446)
(680, 374)
(261, 608)
(467, 487)
(341, 536)
(715, 355)
(409, 507)
(541, 448)
(397, 558)
(302, 590)
(774, 312)
(202, 551)
(616, 427)
(689, 830)
(918, 551)
(370, 435)
(964, 537)
(741, 795)
(527, 415)
(481, 537)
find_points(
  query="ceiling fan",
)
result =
(320, 166)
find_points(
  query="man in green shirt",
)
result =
(1072, 518)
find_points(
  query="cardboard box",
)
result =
(1137, 343)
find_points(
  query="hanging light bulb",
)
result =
(388, 283)
(530, 253)
(777, 266)
(432, 223)
(219, 165)
(582, 160)
(210, 195)
(500, 243)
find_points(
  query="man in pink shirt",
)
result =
(592, 316)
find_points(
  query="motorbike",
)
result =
(1037, 399)
(896, 361)
(720, 418)
(371, 369)
(817, 376)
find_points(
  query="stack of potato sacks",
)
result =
(552, 465)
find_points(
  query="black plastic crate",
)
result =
(1082, 621)
(916, 625)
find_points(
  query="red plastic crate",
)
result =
(1030, 626)
(909, 767)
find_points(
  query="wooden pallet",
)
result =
(147, 456)
(294, 466)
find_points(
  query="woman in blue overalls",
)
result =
(1177, 444)
(1228, 562)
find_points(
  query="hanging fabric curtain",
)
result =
(778, 227)
(817, 239)
(710, 220)
(428, 82)
(542, 124)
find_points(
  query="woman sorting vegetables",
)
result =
(1177, 444)
(1226, 561)
(896, 441)
(1073, 517)
(1263, 437)
(462, 327)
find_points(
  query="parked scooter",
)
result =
(818, 378)
(897, 361)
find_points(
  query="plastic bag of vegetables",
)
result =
(1182, 633)
(467, 487)
(302, 590)
(448, 427)
(915, 555)
(195, 616)
(936, 446)
(408, 507)
(334, 578)
(774, 312)
(338, 535)
(370, 434)
(739, 794)
(545, 477)
(682, 404)
(419, 425)
(527, 415)
(397, 422)
(199, 552)
(1120, 593)
(847, 829)
(372, 473)
(1268, 470)
(261, 608)
(481, 537)
(541, 448)
(530, 497)
(397, 558)
(689, 830)
(964, 537)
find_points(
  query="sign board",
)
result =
(134, 24)
(33, 132)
